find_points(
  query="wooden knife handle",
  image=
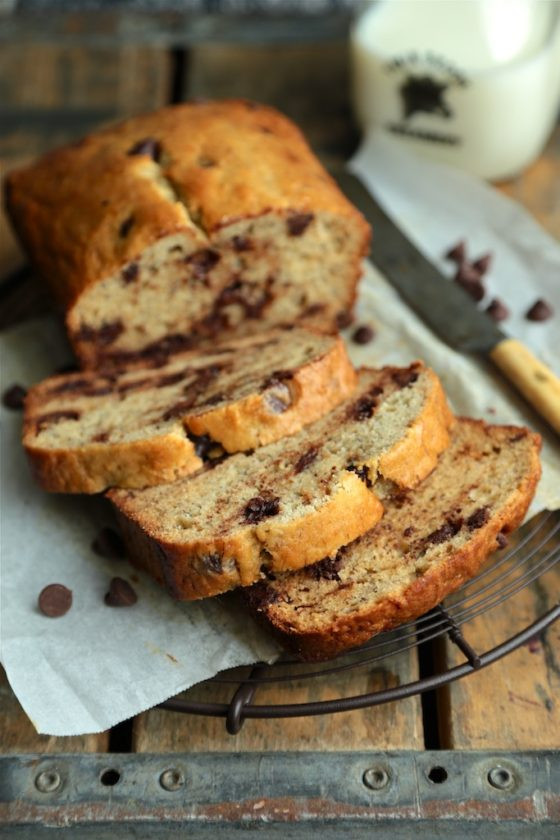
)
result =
(531, 377)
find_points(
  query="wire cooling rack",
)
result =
(532, 552)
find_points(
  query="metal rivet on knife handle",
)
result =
(538, 384)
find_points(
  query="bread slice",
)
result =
(195, 222)
(88, 431)
(428, 543)
(292, 502)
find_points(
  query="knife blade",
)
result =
(447, 309)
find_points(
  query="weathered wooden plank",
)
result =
(513, 704)
(17, 734)
(309, 83)
(392, 726)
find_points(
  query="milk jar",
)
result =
(473, 83)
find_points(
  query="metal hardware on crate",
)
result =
(535, 551)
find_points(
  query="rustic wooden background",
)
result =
(50, 94)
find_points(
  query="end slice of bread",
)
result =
(428, 543)
(88, 431)
(290, 503)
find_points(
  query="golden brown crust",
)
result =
(317, 386)
(69, 206)
(429, 589)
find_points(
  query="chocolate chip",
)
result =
(55, 600)
(13, 397)
(327, 568)
(446, 532)
(241, 243)
(126, 226)
(101, 437)
(404, 378)
(52, 417)
(501, 539)
(482, 264)
(517, 437)
(497, 310)
(363, 335)
(105, 334)
(298, 222)
(203, 261)
(457, 253)
(539, 311)
(470, 281)
(147, 146)
(408, 532)
(344, 319)
(109, 544)
(478, 518)
(306, 459)
(362, 473)
(276, 378)
(130, 272)
(120, 594)
(261, 507)
(260, 595)
(364, 407)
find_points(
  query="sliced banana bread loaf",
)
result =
(292, 502)
(88, 431)
(186, 224)
(428, 543)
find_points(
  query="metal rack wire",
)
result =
(534, 551)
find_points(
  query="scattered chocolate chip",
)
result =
(276, 378)
(306, 459)
(470, 281)
(399, 498)
(326, 569)
(404, 378)
(213, 562)
(207, 449)
(126, 226)
(362, 473)
(539, 311)
(313, 309)
(497, 310)
(55, 417)
(109, 544)
(457, 253)
(501, 539)
(241, 243)
(55, 600)
(148, 146)
(120, 594)
(408, 532)
(298, 222)
(260, 507)
(101, 437)
(364, 407)
(203, 261)
(446, 532)
(13, 397)
(344, 319)
(105, 334)
(260, 595)
(363, 335)
(478, 518)
(482, 264)
(130, 272)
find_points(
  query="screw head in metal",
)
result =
(47, 781)
(172, 779)
(376, 778)
(501, 778)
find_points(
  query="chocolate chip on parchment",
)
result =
(363, 335)
(483, 263)
(457, 253)
(539, 311)
(14, 396)
(147, 146)
(109, 544)
(470, 280)
(120, 594)
(55, 600)
(497, 310)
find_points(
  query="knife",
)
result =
(447, 308)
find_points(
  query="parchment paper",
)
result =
(96, 666)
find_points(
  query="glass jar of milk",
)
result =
(474, 83)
